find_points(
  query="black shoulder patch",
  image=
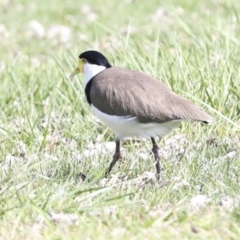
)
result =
(87, 91)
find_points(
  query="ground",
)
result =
(49, 135)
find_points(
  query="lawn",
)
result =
(49, 135)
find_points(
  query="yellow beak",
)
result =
(78, 69)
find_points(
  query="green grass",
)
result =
(49, 135)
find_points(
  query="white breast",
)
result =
(127, 126)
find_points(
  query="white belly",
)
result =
(128, 126)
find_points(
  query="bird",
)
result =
(133, 104)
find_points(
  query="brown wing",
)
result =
(121, 92)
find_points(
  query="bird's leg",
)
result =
(156, 156)
(116, 156)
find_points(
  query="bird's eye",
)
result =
(84, 60)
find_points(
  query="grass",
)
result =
(48, 134)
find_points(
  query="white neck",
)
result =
(91, 70)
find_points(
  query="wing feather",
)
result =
(118, 91)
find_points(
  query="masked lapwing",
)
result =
(131, 103)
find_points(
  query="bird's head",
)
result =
(90, 63)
